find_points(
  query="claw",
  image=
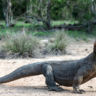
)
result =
(82, 91)
(79, 91)
(57, 89)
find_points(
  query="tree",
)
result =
(85, 12)
(6, 4)
(40, 11)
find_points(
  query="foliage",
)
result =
(81, 10)
(61, 9)
(1, 11)
(18, 7)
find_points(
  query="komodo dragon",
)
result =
(67, 73)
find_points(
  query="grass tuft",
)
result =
(60, 43)
(21, 45)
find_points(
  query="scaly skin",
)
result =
(67, 73)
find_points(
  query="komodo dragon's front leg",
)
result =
(48, 73)
(79, 78)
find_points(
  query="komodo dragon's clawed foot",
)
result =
(79, 91)
(55, 88)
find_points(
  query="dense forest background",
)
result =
(60, 9)
(82, 12)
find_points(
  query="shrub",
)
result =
(60, 43)
(21, 45)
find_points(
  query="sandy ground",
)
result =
(35, 86)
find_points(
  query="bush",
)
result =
(60, 43)
(21, 45)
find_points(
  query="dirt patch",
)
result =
(35, 86)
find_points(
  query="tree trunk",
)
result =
(48, 23)
(28, 10)
(7, 12)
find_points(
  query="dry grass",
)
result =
(60, 43)
(21, 45)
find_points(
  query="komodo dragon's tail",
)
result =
(24, 71)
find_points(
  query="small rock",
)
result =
(86, 49)
(51, 40)
(90, 86)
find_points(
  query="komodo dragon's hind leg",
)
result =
(84, 71)
(48, 73)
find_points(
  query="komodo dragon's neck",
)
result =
(90, 59)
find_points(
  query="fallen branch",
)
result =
(75, 26)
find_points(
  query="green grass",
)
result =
(62, 22)
(40, 33)
(2, 23)
(77, 35)
(20, 25)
